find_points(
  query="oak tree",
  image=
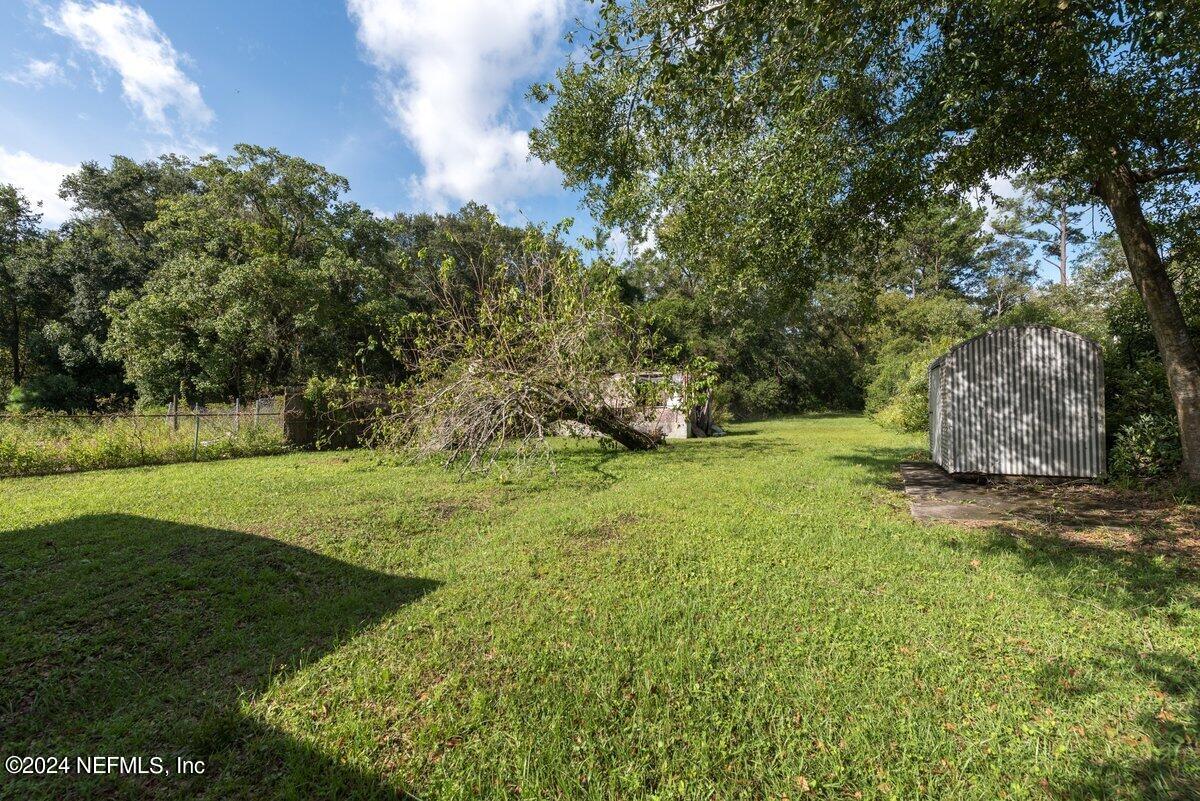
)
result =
(768, 132)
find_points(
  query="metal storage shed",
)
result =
(1020, 400)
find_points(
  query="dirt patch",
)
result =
(184, 554)
(1096, 515)
(442, 510)
(1176, 543)
(607, 530)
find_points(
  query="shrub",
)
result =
(1135, 387)
(898, 395)
(745, 398)
(908, 408)
(53, 391)
(343, 412)
(1148, 447)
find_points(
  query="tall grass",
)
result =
(42, 444)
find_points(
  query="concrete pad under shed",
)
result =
(1101, 518)
(933, 494)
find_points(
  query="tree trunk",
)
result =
(1118, 190)
(610, 423)
(1063, 225)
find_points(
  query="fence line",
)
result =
(275, 408)
(39, 443)
(35, 444)
(35, 417)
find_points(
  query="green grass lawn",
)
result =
(749, 617)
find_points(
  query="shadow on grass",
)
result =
(827, 414)
(716, 449)
(129, 636)
(592, 463)
(1174, 771)
(880, 464)
(1102, 573)
(1171, 772)
(1105, 575)
(591, 459)
(1139, 584)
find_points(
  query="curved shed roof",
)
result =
(991, 332)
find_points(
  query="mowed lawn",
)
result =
(749, 617)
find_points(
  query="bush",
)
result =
(342, 412)
(54, 391)
(1135, 387)
(898, 395)
(908, 408)
(746, 399)
(1146, 448)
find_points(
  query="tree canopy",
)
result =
(768, 137)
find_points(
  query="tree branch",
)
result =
(1146, 176)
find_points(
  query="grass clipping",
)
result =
(519, 349)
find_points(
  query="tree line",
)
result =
(232, 277)
(215, 279)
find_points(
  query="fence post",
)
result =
(196, 437)
(237, 415)
(257, 401)
(174, 413)
(297, 429)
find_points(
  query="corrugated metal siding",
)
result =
(1020, 400)
(935, 419)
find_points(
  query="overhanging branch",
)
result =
(1146, 176)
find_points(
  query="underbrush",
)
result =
(42, 444)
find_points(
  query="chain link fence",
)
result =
(211, 424)
(39, 443)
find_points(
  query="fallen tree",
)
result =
(537, 342)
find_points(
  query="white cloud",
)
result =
(449, 68)
(623, 248)
(126, 39)
(998, 187)
(38, 180)
(36, 74)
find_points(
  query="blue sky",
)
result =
(419, 103)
